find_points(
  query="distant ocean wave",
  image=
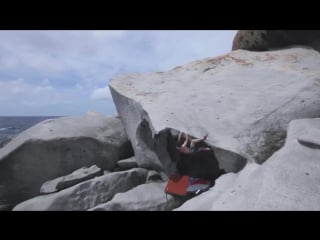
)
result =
(8, 128)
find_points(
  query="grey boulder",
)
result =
(88, 194)
(128, 163)
(73, 178)
(244, 100)
(288, 180)
(146, 197)
(57, 147)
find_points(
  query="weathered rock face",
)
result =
(262, 40)
(57, 147)
(86, 195)
(73, 178)
(146, 197)
(255, 40)
(244, 100)
(288, 180)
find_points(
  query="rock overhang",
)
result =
(242, 99)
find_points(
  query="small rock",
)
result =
(73, 178)
(128, 163)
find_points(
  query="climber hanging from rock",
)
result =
(193, 148)
(196, 168)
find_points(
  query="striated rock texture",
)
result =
(57, 147)
(262, 40)
(243, 100)
(146, 197)
(73, 178)
(86, 195)
(288, 180)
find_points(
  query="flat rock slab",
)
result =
(128, 163)
(73, 178)
(88, 194)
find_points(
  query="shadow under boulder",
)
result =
(202, 164)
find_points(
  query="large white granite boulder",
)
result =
(243, 100)
(57, 147)
(288, 180)
(88, 194)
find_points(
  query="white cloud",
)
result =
(101, 93)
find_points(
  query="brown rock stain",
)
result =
(242, 61)
(218, 60)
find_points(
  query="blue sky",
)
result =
(67, 72)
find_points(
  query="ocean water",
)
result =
(12, 126)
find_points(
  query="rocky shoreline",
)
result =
(261, 110)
